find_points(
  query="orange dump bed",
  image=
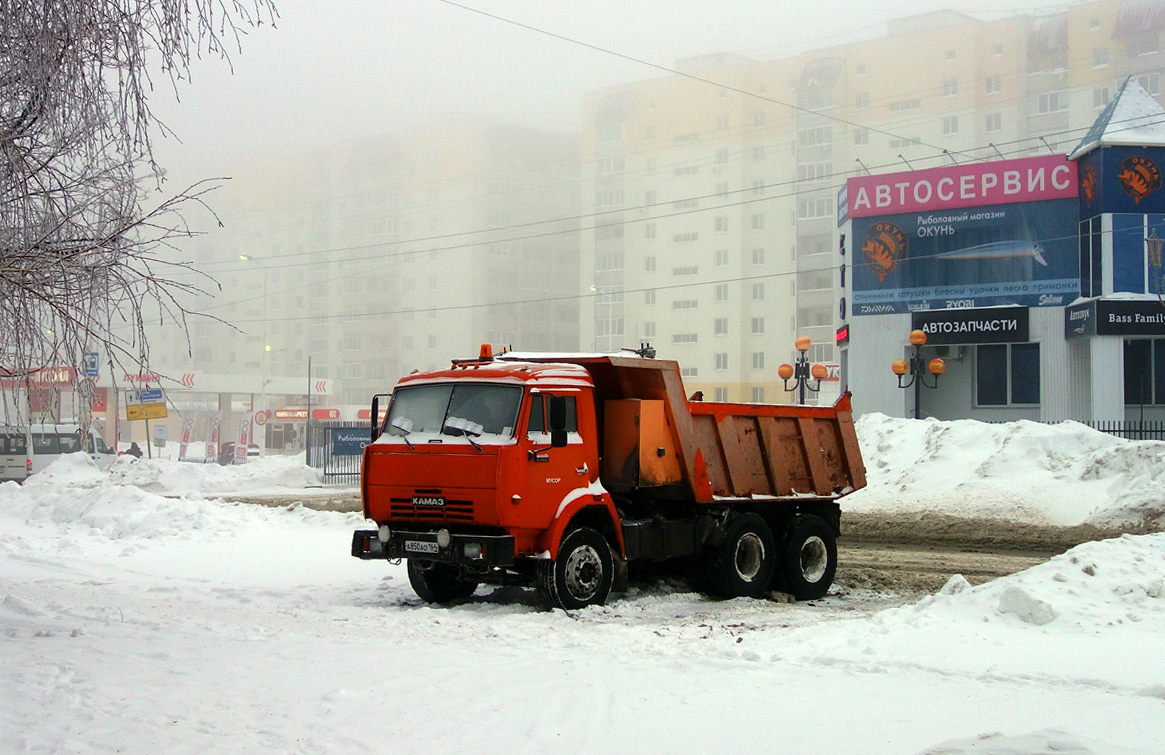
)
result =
(653, 436)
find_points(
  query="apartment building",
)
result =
(714, 190)
(394, 254)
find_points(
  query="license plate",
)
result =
(427, 500)
(421, 546)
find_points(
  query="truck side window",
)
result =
(538, 415)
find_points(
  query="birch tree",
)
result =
(84, 263)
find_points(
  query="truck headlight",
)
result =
(472, 550)
(383, 534)
(443, 538)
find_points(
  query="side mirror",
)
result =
(375, 417)
(557, 421)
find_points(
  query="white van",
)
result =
(28, 450)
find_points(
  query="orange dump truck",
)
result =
(560, 470)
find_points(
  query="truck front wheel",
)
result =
(438, 583)
(743, 564)
(810, 558)
(581, 575)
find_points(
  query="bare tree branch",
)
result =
(82, 263)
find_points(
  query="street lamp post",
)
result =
(917, 370)
(263, 365)
(1156, 274)
(801, 373)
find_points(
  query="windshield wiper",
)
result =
(465, 428)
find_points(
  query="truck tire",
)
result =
(810, 558)
(581, 576)
(743, 564)
(438, 583)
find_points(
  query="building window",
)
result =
(757, 326)
(994, 84)
(758, 154)
(685, 304)
(950, 87)
(722, 123)
(720, 393)
(722, 188)
(758, 256)
(721, 155)
(649, 264)
(949, 55)
(861, 137)
(721, 292)
(758, 119)
(814, 171)
(951, 125)
(649, 134)
(815, 136)
(1100, 97)
(684, 338)
(649, 296)
(721, 224)
(758, 360)
(808, 209)
(758, 222)
(720, 326)
(996, 50)
(686, 270)
(649, 231)
(758, 291)
(649, 198)
(994, 122)
(861, 100)
(900, 105)
(758, 395)
(722, 361)
(1051, 102)
(1007, 374)
(721, 258)
(1100, 57)
(1151, 82)
(758, 187)
(1145, 371)
(689, 371)
(649, 330)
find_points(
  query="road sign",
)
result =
(145, 411)
(145, 404)
(91, 358)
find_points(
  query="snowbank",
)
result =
(1065, 474)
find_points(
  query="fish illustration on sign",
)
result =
(998, 250)
(1139, 177)
(884, 248)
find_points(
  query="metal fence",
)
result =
(1146, 429)
(334, 448)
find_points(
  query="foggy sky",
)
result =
(332, 72)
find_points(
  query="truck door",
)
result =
(552, 473)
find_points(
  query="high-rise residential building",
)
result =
(713, 191)
(393, 254)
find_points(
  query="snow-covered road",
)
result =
(137, 623)
(138, 615)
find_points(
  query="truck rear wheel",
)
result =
(743, 564)
(438, 583)
(810, 558)
(581, 576)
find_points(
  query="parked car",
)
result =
(226, 454)
(28, 450)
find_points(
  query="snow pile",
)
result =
(1065, 474)
(1091, 586)
(257, 476)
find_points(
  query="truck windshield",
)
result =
(477, 410)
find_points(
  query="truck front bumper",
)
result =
(474, 551)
